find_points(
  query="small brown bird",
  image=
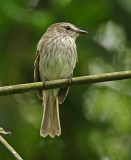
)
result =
(56, 58)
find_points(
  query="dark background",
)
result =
(96, 118)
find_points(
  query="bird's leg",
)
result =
(44, 81)
(70, 78)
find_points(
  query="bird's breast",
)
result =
(58, 60)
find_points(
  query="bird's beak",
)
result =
(81, 31)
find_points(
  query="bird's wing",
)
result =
(36, 72)
(62, 94)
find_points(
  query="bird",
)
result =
(56, 58)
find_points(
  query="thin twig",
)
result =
(2, 131)
(6, 144)
(21, 88)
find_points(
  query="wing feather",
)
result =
(36, 72)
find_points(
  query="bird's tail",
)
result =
(50, 122)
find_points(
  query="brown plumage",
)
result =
(56, 57)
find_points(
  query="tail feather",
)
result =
(50, 122)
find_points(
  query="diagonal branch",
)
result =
(7, 145)
(21, 88)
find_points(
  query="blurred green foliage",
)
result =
(95, 119)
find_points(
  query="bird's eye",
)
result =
(67, 27)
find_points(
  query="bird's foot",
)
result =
(70, 79)
(44, 82)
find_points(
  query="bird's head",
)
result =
(65, 29)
